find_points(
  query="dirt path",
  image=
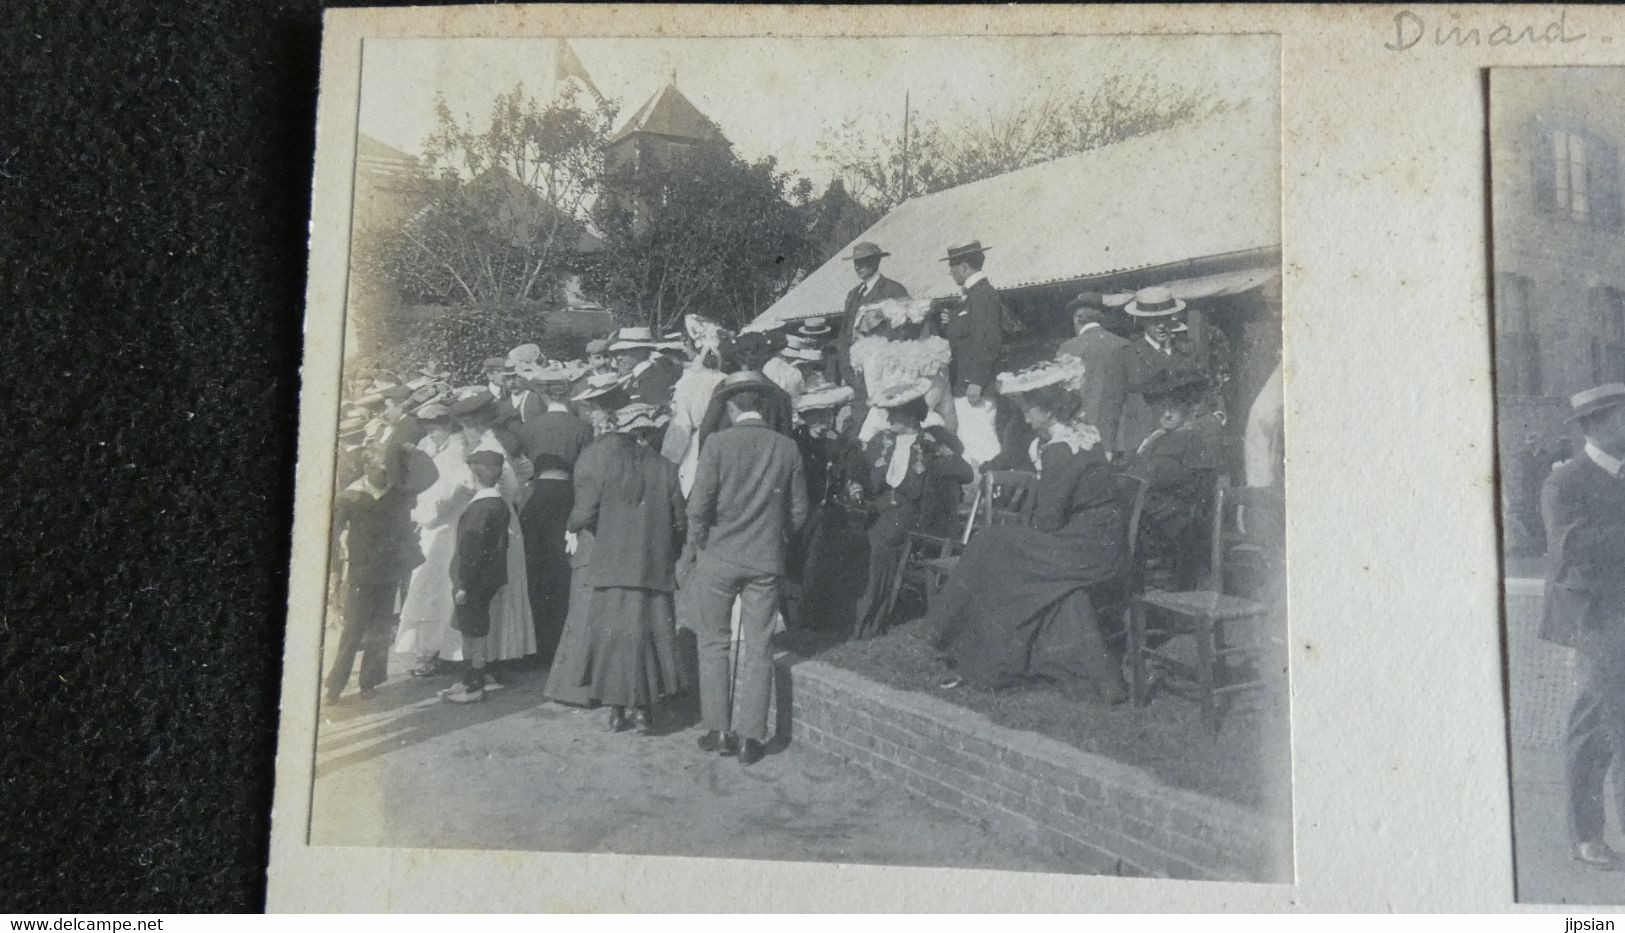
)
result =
(518, 772)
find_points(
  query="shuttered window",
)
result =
(1577, 175)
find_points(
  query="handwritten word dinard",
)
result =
(1412, 30)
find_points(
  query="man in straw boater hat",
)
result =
(975, 329)
(749, 500)
(632, 350)
(1163, 348)
(871, 287)
(1583, 504)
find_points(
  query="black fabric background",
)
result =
(154, 185)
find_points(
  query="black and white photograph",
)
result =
(852, 450)
(1559, 265)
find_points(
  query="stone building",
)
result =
(1559, 266)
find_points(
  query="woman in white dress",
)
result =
(427, 610)
(513, 633)
(690, 396)
(897, 348)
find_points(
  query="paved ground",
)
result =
(519, 772)
(1546, 874)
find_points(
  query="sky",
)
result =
(787, 97)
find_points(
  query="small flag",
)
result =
(567, 66)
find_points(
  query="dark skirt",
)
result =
(547, 570)
(836, 569)
(1025, 603)
(887, 536)
(632, 654)
(567, 680)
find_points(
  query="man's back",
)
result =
(749, 496)
(1584, 510)
(1105, 378)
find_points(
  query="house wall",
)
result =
(1559, 271)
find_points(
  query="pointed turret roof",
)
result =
(669, 113)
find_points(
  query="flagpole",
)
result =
(903, 187)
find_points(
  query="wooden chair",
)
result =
(1002, 497)
(1227, 630)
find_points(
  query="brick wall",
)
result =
(1114, 818)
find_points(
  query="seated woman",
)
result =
(914, 479)
(1178, 461)
(1025, 601)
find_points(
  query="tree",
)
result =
(498, 214)
(943, 154)
(702, 231)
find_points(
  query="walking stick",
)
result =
(733, 658)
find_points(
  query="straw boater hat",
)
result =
(1156, 301)
(1065, 371)
(866, 250)
(803, 354)
(525, 353)
(956, 253)
(815, 327)
(494, 362)
(632, 338)
(640, 415)
(433, 411)
(352, 429)
(831, 397)
(1593, 400)
(901, 394)
(598, 384)
(425, 394)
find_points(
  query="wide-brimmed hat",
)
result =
(353, 428)
(639, 415)
(486, 457)
(815, 327)
(803, 354)
(831, 397)
(470, 399)
(557, 372)
(1595, 399)
(901, 394)
(525, 353)
(1156, 301)
(960, 252)
(747, 378)
(1174, 385)
(425, 394)
(632, 338)
(433, 411)
(866, 250)
(598, 384)
(494, 362)
(1067, 371)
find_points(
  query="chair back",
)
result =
(1221, 515)
(1008, 497)
(1133, 490)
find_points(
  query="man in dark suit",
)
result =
(1162, 356)
(646, 380)
(1583, 504)
(749, 499)
(552, 441)
(974, 329)
(1105, 366)
(871, 287)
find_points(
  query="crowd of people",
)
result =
(645, 520)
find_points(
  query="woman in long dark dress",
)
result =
(1026, 601)
(628, 494)
(915, 475)
(567, 679)
(833, 550)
